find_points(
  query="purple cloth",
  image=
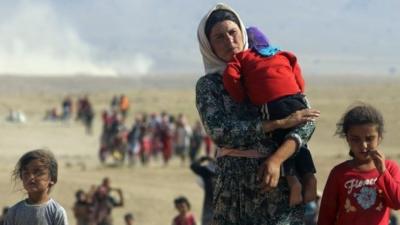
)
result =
(256, 38)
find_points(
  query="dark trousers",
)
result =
(300, 163)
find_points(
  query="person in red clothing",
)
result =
(361, 190)
(272, 79)
(166, 137)
(185, 217)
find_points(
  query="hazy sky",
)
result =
(134, 37)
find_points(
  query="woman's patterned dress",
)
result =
(237, 196)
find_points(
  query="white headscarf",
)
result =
(213, 64)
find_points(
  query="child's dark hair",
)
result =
(360, 114)
(129, 216)
(78, 194)
(182, 200)
(44, 156)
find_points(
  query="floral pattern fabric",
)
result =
(237, 195)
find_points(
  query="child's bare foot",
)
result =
(295, 196)
(310, 187)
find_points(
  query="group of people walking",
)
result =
(152, 135)
(83, 109)
(95, 206)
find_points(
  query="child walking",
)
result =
(37, 170)
(272, 79)
(361, 190)
(185, 217)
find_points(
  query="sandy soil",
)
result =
(149, 191)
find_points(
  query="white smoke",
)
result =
(35, 41)
(138, 64)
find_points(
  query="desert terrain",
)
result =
(149, 191)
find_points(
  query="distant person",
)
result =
(272, 80)
(114, 103)
(106, 182)
(166, 137)
(82, 208)
(88, 115)
(124, 106)
(185, 216)
(134, 139)
(16, 116)
(154, 134)
(85, 113)
(4, 214)
(91, 192)
(183, 132)
(129, 219)
(365, 188)
(104, 203)
(37, 170)
(196, 140)
(66, 108)
(145, 147)
(205, 167)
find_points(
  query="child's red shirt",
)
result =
(354, 197)
(188, 220)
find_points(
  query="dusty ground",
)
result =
(149, 191)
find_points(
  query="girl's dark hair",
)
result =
(44, 156)
(182, 200)
(78, 194)
(129, 216)
(219, 16)
(360, 114)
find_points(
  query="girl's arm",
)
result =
(389, 184)
(329, 203)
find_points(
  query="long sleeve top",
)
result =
(354, 197)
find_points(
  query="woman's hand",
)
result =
(299, 117)
(269, 173)
(379, 160)
(294, 119)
